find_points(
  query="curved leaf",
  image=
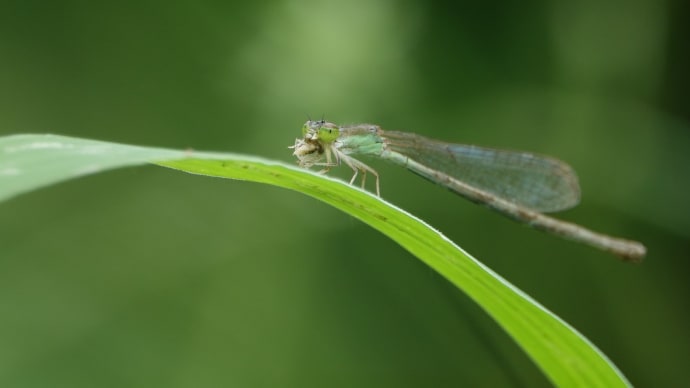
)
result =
(28, 162)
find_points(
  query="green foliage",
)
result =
(28, 162)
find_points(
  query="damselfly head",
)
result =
(321, 130)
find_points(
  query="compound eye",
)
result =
(328, 132)
(305, 129)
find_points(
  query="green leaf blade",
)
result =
(28, 162)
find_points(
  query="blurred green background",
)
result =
(149, 277)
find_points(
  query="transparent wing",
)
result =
(538, 182)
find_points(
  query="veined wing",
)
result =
(534, 181)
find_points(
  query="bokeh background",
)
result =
(149, 277)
